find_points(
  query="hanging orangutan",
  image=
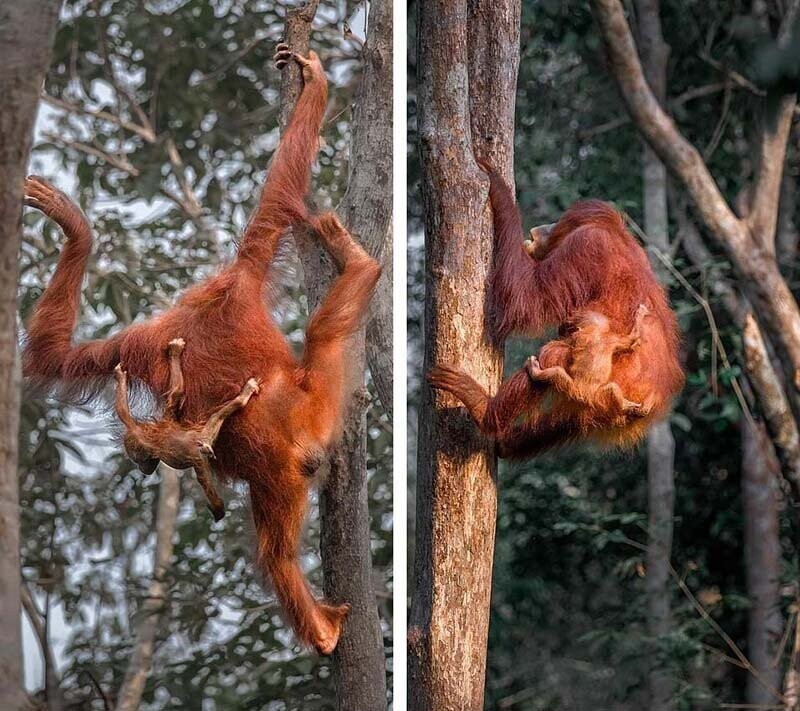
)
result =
(615, 369)
(230, 338)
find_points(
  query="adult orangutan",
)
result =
(586, 271)
(230, 338)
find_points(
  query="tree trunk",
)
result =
(468, 54)
(26, 34)
(660, 442)
(130, 695)
(366, 209)
(762, 553)
(346, 554)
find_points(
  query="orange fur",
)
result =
(181, 446)
(587, 267)
(230, 337)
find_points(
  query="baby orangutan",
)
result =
(179, 445)
(584, 360)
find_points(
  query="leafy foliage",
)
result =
(160, 108)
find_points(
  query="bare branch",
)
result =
(118, 162)
(38, 620)
(232, 59)
(144, 132)
(733, 75)
(763, 217)
(772, 400)
(192, 204)
(659, 129)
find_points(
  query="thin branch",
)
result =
(180, 173)
(144, 132)
(233, 59)
(791, 681)
(117, 162)
(744, 662)
(106, 702)
(719, 129)
(660, 130)
(733, 75)
(676, 102)
(38, 620)
(698, 606)
(712, 323)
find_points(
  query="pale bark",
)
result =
(26, 34)
(467, 59)
(759, 366)
(366, 209)
(772, 401)
(660, 441)
(153, 605)
(661, 504)
(760, 500)
(749, 251)
(39, 622)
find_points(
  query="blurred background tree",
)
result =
(161, 118)
(570, 622)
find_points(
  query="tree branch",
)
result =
(763, 217)
(118, 162)
(660, 130)
(145, 132)
(52, 680)
(764, 379)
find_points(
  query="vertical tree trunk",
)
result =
(26, 33)
(660, 442)
(346, 553)
(366, 209)
(762, 553)
(467, 59)
(149, 614)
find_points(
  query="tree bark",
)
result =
(366, 209)
(26, 34)
(52, 679)
(130, 694)
(747, 242)
(660, 441)
(467, 59)
(661, 503)
(760, 496)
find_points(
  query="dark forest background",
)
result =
(569, 627)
